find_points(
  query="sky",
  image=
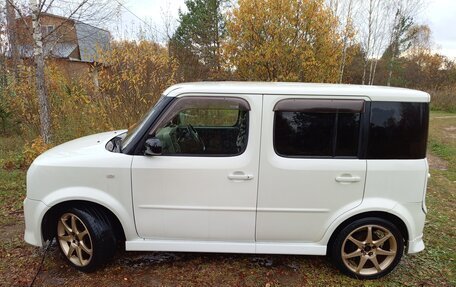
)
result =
(440, 15)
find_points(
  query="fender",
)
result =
(374, 205)
(123, 212)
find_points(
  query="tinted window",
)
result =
(347, 134)
(304, 134)
(321, 128)
(398, 130)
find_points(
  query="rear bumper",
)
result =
(416, 245)
(33, 213)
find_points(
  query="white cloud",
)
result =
(441, 17)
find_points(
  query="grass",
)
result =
(444, 99)
(435, 266)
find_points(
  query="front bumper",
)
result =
(34, 211)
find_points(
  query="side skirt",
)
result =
(225, 247)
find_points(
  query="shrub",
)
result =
(132, 78)
(444, 99)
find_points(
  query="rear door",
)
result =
(309, 172)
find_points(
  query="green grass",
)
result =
(435, 266)
(12, 181)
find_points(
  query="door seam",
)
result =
(259, 169)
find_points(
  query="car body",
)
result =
(277, 168)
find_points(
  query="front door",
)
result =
(203, 187)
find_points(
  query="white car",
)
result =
(276, 168)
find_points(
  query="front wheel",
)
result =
(85, 236)
(368, 248)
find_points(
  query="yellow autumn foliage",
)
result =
(135, 77)
(283, 40)
(32, 150)
(129, 82)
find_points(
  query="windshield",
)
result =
(133, 130)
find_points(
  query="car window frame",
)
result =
(177, 105)
(349, 105)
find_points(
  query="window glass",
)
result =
(347, 134)
(304, 134)
(320, 128)
(205, 127)
(209, 117)
(398, 130)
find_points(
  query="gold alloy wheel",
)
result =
(369, 249)
(74, 239)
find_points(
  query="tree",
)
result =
(284, 40)
(12, 39)
(400, 33)
(83, 10)
(372, 36)
(197, 40)
(132, 83)
(354, 70)
(343, 10)
(420, 40)
(400, 41)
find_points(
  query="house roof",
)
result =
(91, 40)
(57, 50)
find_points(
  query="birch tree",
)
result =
(369, 38)
(11, 35)
(344, 10)
(88, 11)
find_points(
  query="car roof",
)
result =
(374, 93)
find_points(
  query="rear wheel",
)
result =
(368, 248)
(86, 237)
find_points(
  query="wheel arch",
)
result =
(394, 219)
(48, 224)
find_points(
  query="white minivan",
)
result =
(267, 168)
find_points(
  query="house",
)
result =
(72, 45)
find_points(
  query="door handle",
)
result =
(240, 176)
(347, 178)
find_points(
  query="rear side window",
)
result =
(398, 130)
(317, 128)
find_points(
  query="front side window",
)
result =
(317, 128)
(204, 126)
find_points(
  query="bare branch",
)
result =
(21, 15)
(68, 19)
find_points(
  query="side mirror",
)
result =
(153, 147)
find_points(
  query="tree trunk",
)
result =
(344, 48)
(45, 119)
(390, 64)
(364, 71)
(12, 37)
(390, 71)
(373, 72)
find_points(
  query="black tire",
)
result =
(85, 250)
(366, 251)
